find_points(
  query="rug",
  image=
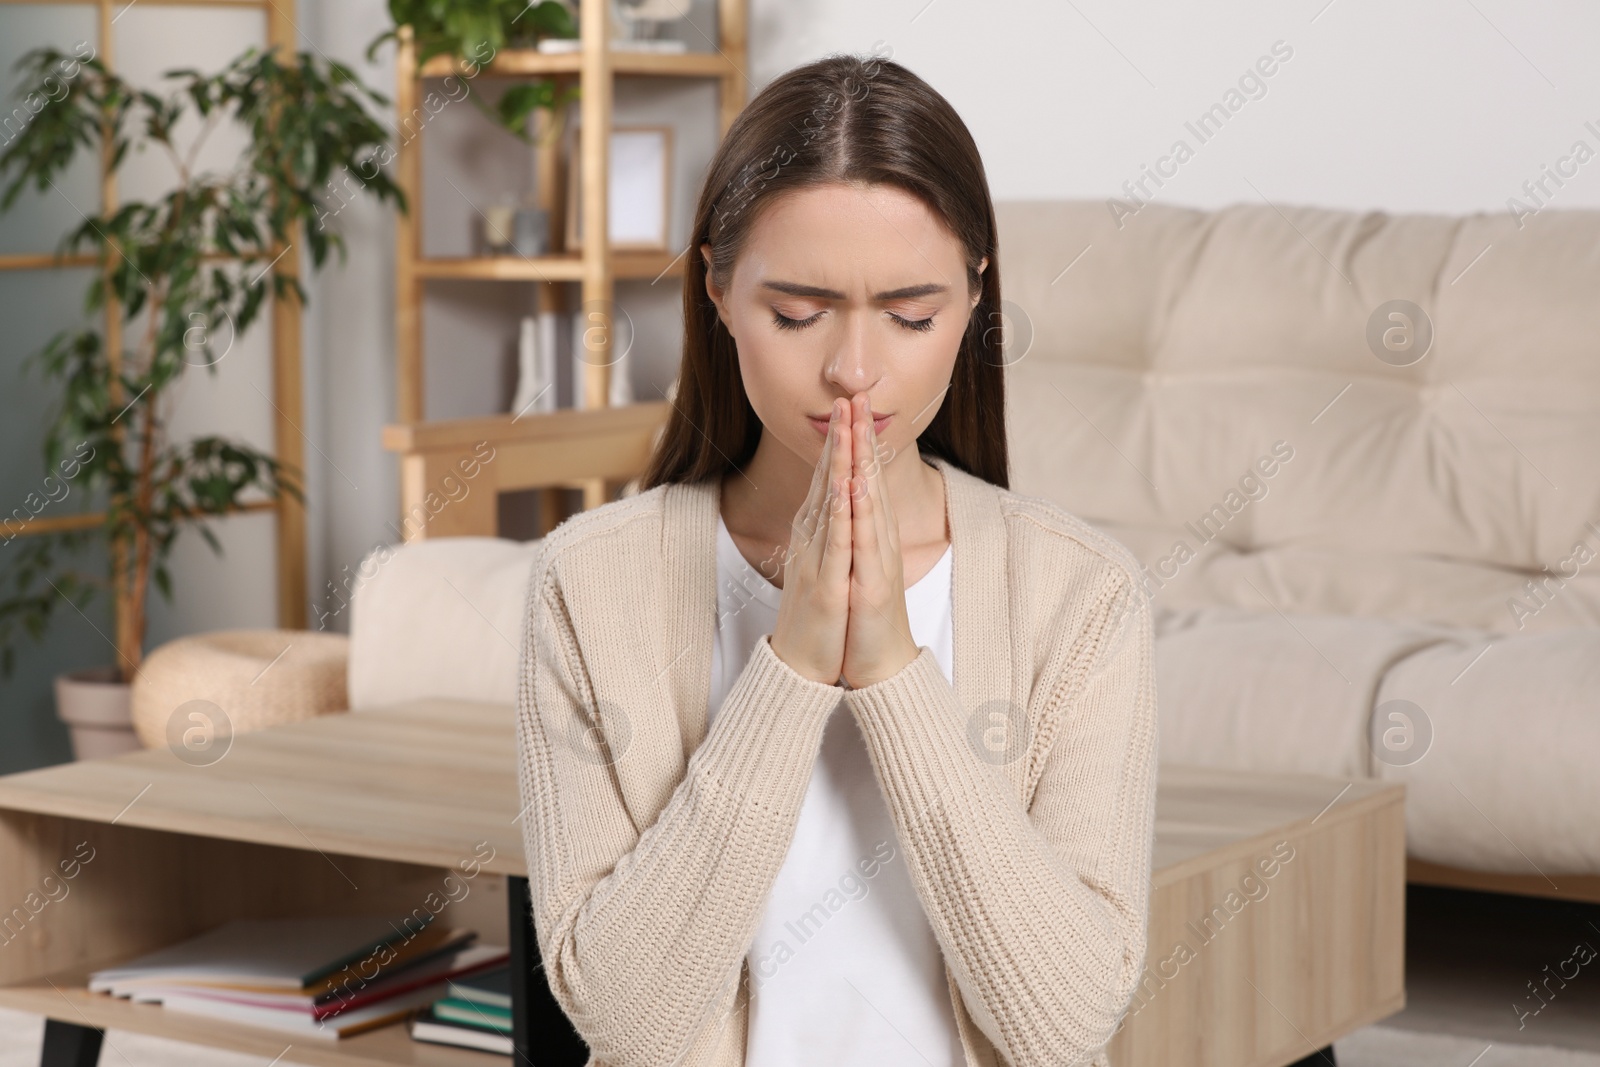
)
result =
(1374, 1046)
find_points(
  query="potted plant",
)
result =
(197, 263)
(474, 32)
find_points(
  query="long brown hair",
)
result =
(839, 119)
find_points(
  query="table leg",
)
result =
(70, 1045)
(1320, 1058)
(541, 1033)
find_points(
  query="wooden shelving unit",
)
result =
(288, 390)
(589, 448)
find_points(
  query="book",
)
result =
(284, 954)
(491, 987)
(429, 1027)
(433, 973)
(469, 1013)
(432, 942)
(301, 1023)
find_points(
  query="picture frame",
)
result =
(638, 190)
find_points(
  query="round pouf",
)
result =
(196, 692)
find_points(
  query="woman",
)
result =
(834, 749)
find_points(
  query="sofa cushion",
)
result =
(1158, 369)
(440, 617)
(1494, 744)
(1508, 782)
(1256, 690)
(1183, 571)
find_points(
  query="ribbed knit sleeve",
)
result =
(643, 930)
(1041, 913)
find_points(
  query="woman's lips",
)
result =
(878, 423)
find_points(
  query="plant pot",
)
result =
(98, 709)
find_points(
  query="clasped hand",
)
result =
(843, 612)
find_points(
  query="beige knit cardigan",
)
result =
(1023, 796)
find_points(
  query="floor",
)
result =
(1492, 981)
(1383, 1046)
(1511, 970)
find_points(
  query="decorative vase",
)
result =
(530, 228)
(97, 707)
(495, 229)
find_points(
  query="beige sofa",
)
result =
(1326, 533)
(1331, 525)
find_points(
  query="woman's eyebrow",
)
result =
(796, 289)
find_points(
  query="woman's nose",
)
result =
(853, 366)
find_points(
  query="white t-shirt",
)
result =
(844, 968)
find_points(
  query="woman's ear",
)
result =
(979, 294)
(712, 290)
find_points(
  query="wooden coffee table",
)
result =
(394, 809)
(1277, 918)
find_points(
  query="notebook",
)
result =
(491, 987)
(431, 942)
(433, 973)
(282, 954)
(428, 1027)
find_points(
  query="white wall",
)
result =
(1431, 106)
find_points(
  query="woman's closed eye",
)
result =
(783, 322)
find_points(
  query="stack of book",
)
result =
(475, 1014)
(319, 977)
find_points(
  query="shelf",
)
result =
(52, 260)
(46, 260)
(561, 267)
(592, 448)
(530, 63)
(572, 448)
(91, 520)
(66, 996)
(567, 425)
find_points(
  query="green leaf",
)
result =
(522, 100)
(210, 538)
